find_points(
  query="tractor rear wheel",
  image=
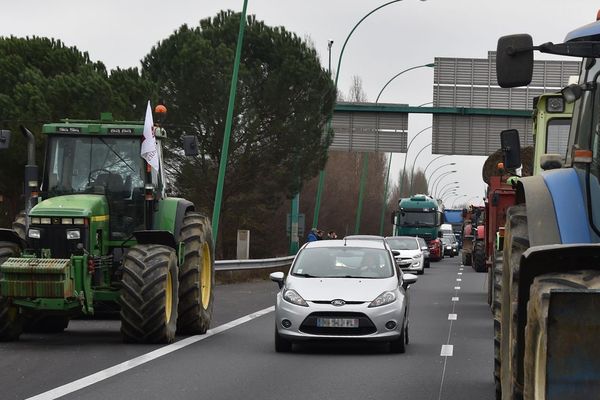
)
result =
(197, 275)
(19, 225)
(149, 294)
(578, 334)
(496, 277)
(516, 243)
(11, 322)
(479, 256)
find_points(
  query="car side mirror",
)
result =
(278, 278)
(395, 253)
(514, 60)
(408, 279)
(4, 139)
(511, 147)
(190, 145)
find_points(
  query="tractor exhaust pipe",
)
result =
(31, 174)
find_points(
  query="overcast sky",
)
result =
(399, 36)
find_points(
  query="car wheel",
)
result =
(398, 345)
(282, 345)
(427, 264)
(421, 271)
(406, 334)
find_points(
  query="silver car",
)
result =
(408, 253)
(345, 290)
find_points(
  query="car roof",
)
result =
(401, 237)
(374, 244)
(364, 237)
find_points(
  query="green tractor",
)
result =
(102, 235)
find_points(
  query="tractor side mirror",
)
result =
(511, 147)
(190, 145)
(4, 139)
(514, 60)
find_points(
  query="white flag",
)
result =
(148, 151)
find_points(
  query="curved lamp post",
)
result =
(453, 189)
(412, 170)
(442, 177)
(446, 185)
(337, 75)
(459, 197)
(436, 180)
(432, 161)
(433, 173)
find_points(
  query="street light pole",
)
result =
(337, 75)
(439, 180)
(446, 185)
(436, 180)
(454, 201)
(228, 123)
(431, 162)
(433, 173)
(412, 170)
(448, 191)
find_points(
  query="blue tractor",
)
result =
(547, 336)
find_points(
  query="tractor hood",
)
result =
(73, 205)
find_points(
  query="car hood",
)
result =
(409, 253)
(348, 289)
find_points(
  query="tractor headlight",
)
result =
(34, 233)
(45, 221)
(79, 221)
(66, 221)
(35, 220)
(555, 105)
(73, 234)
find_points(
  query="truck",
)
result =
(420, 215)
(550, 291)
(100, 234)
(454, 217)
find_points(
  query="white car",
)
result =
(345, 290)
(408, 253)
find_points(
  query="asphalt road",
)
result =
(239, 360)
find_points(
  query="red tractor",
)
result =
(473, 234)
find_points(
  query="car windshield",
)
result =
(343, 262)
(403, 243)
(449, 238)
(445, 240)
(409, 218)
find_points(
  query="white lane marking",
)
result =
(447, 350)
(456, 287)
(144, 358)
(460, 273)
(455, 299)
(452, 317)
(458, 280)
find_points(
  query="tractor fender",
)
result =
(541, 216)
(9, 235)
(183, 206)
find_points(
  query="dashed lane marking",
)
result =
(456, 287)
(447, 350)
(458, 280)
(144, 358)
(455, 298)
(460, 273)
(452, 317)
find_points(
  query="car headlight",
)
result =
(383, 299)
(416, 257)
(73, 234)
(291, 296)
(34, 233)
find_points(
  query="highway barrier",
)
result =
(229, 271)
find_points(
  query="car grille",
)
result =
(329, 302)
(365, 325)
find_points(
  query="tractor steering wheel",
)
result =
(94, 171)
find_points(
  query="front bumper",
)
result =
(372, 320)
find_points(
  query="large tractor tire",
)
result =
(516, 242)
(20, 224)
(578, 341)
(149, 294)
(466, 258)
(197, 275)
(496, 303)
(479, 256)
(11, 322)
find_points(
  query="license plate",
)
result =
(337, 322)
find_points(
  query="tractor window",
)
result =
(110, 166)
(557, 137)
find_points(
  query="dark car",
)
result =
(450, 245)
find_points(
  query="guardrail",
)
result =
(237, 265)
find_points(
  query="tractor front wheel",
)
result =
(478, 256)
(197, 275)
(149, 294)
(11, 322)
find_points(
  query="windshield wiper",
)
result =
(117, 154)
(304, 275)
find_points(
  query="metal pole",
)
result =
(406, 156)
(295, 211)
(446, 185)
(363, 179)
(385, 194)
(322, 172)
(440, 179)
(433, 173)
(337, 75)
(432, 192)
(431, 162)
(228, 122)
(412, 170)
(459, 197)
